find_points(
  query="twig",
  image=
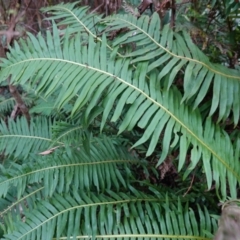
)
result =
(14, 111)
(189, 188)
(95, 9)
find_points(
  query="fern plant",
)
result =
(63, 179)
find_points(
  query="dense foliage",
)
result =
(128, 125)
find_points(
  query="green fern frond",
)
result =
(112, 216)
(77, 19)
(17, 138)
(45, 108)
(173, 52)
(9, 204)
(70, 132)
(88, 77)
(105, 167)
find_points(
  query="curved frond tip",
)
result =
(172, 52)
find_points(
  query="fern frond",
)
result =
(87, 77)
(45, 107)
(105, 167)
(112, 216)
(77, 19)
(173, 52)
(10, 204)
(17, 138)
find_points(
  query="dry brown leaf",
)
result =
(49, 151)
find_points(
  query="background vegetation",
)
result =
(119, 120)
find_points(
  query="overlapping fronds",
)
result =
(20, 139)
(170, 51)
(87, 75)
(105, 167)
(130, 215)
(173, 52)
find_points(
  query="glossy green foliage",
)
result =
(111, 215)
(173, 52)
(82, 186)
(97, 170)
(20, 139)
(92, 76)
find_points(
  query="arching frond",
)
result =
(113, 216)
(105, 167)
(88, 76)
(173, 52)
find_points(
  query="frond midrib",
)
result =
(90, 205)
(58, 166)
(68, 132)
(27, 136)
(175, 55)
(199, 140)
(85, 27)
(77, 19)
(20, 200)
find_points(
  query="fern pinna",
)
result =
(85, 185)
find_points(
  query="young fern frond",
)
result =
(112, 216)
